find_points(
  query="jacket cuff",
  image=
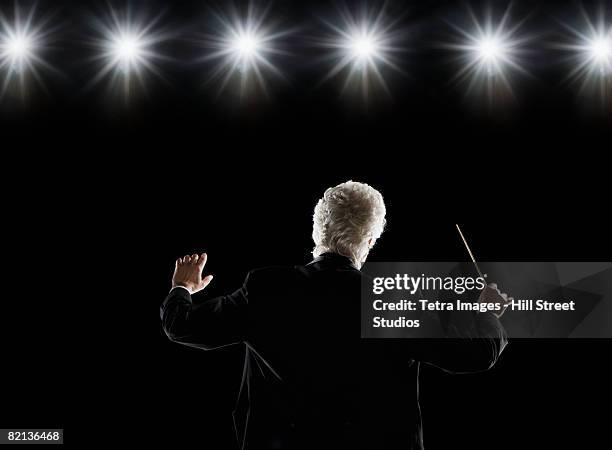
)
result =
(181, 288)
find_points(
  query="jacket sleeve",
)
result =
(210, 324)
(470, 348)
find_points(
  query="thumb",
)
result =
(205, 282)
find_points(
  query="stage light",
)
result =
(18, 48)
(601, 50)
(246, 46)
(243, 49)
(125, 48)
(592, 54)
(490, 52)
(128, 50)
(362, 45)
(23, 39)
(489, 49)
(589, 51)
(16, 53)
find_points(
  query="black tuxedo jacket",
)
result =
(309, 380)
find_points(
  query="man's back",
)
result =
(337, 390)
(310, 381)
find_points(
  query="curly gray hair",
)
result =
(348, 220)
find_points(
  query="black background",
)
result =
(101, 198)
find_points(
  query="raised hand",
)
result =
(491, 294)
(188, 273)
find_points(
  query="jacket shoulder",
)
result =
(273, 276)
(291, 278)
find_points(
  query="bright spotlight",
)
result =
(490, 52)
(489, 49)
(128, 51)
(243, 47)
(246, 45)
(361, 46)
(19, 47)
(17, 51)
(589, 48)
(125, 48)
(22, 40)
(601, 50)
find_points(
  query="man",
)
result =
(310, 381)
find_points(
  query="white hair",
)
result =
(348, 220)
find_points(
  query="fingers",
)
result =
(507, 300)
(202, 260)
(194, 259)
(503, 295)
